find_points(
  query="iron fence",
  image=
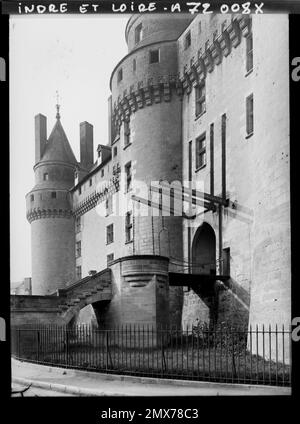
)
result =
(219, 354)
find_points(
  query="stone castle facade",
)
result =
(198, 102)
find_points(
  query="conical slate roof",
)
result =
(58, 147)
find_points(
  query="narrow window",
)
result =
(78, 249)
(102, 172)
(154, 56)
(109, 234)
(91, 181)
(249, 53)
(109, 206)
(120, 75)
(190, 160)
(134, 65)
(79, 190)
(46, 176)
(226, 261)
(199, 28)
(200, 152)
(53, 194)
(223, 26)
(187, 40)
(115, 151)
(249, 115)
(78, 272)
(109, 258)
(128, 227)
(78, 224)
(32, 197)
(200, 104)
(138, 33)
(127, 139)
(128, 177)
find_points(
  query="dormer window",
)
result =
(138, 35)
(46, 176)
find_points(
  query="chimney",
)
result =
(40, 136)
(86, 145)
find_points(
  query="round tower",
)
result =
(146, 111)
(49, 209)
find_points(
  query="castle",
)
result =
(199, 103)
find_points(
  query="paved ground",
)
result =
(51, 381)
(36, 391)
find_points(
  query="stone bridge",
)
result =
(64, 304)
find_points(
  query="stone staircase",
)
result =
(95, 288)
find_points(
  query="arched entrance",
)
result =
(204, 262)
(204, 250)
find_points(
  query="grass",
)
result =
(208, 362)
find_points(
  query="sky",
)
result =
(75, 56)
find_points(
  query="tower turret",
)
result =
(49, 209)
(146, 115)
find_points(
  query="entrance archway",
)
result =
(204, 250)
(204, 262)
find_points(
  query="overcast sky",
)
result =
(74, 55)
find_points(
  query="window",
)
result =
(187, 40)
(110, 234)
(78, 272)
(46, 176)
(78, 249)
(199, 28)
(154, 56)
(109, 258)
(79, 190)
(78, 224)
(200, 105)
(32, 197)
(126, 133)
(134, 65)
(128, 227)
(53, 194)
(226, 261)
(102, 172)
(138, 33)
(249, 115)
(115, 151)
(120, 75)
(200, 151)
(249, 53)
(128, 177)
(223, 26)
(190, 160)
(91, 181)
(109, 205)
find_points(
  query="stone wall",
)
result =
(256, 225)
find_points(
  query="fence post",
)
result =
(38, 345)
(106, 337)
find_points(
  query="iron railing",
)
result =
(219, 354)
